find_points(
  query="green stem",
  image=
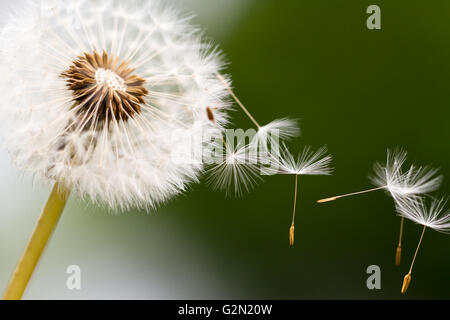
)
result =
(41, 234)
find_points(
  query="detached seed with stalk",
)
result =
(390, 177)
(433, 216)
(308, 163)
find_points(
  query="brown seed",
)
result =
(327, 200)
(210, 114)
(406, 282)
(291, 236)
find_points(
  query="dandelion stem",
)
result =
(407, 278)
(398, 253)
(349, 195)
(41, 234)
(291, 231)
(221, 78)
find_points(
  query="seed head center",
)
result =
(109, 78)
(105, 88)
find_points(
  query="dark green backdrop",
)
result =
(358, 91)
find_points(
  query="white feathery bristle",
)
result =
(432, 215)
(272, 133)
(307, 163)
(388, 174)
(54, 136)
(415, 181)
(238, 172)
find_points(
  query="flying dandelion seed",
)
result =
(391, 177)
(307, 163)
(413, 182)
(239, 170)
(269, 136)
(284, 128)
(97, 97)
(242, 165)
(433, 216)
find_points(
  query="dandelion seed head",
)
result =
(110, 79)
(105, 87)
(99, 94)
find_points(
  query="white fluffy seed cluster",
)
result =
(116, 162)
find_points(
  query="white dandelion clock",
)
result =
(97, 96)
(308, 163)
(431, 215)
(101, 97)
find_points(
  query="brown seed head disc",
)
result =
(106, 87)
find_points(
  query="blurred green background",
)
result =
(356, 90)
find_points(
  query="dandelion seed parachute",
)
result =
(411, 184)
(415, 181)
(400, 184)
(387, 175)
(240, 169)
(308, 163)
(390, 176)
(237, 172)
(406, 185)
(271, 134)
(432, 215)
(97, 95)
